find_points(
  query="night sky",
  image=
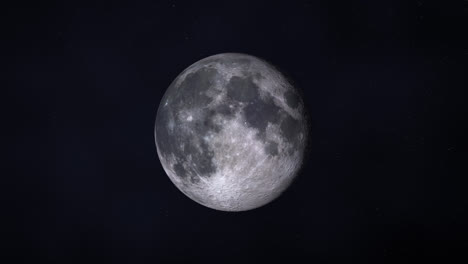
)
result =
(384, 180)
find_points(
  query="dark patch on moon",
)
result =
(292, 99)
(241, 89)
(271, 148)
(225, 110)
(200, 153)
(259, 112)
(204, 123)
(180, 170)
(189, 94)
(290, 128)
(258, 76)
(191, 91)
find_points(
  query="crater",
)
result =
(180, 170)
(292, 99)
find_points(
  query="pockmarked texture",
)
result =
(230, 132)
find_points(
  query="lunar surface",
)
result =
(230, 132)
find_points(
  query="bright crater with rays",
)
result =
(230, 132)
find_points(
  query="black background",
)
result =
(384, 81)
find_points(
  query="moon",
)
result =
(231, 132)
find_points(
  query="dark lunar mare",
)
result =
(190, 94)
(258, 112)
(292, 99)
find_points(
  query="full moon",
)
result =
(230, 132)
